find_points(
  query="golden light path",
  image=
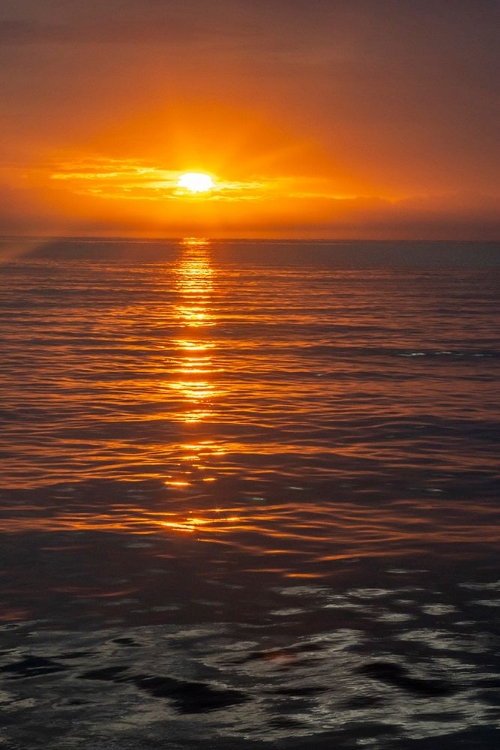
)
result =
(192, 375)
(195, 366)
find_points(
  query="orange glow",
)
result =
(248, 530)
(196, 182)
(194, 391)
(195, 345)
(133, 175)
(191, 524)
(195, 365)
(194, 316)
(319, 124)
(196, 415)
(195, 523)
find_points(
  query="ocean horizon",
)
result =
(350, 253)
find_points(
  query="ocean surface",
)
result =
(249, 495)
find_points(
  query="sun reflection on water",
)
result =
(195, 368)
(193, 371)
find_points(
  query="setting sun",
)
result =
(196, 182)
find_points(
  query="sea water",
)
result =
(249, 494)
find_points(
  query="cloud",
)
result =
(149, 195)
(129, 180)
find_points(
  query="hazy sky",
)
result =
(341, 118)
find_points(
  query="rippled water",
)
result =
(249, 495)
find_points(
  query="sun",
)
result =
(196, 182)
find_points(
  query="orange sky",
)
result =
(325, 118)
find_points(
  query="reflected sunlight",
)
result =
(195, 523)
(194, 367)
(193, 370)
(194, 281)
(196, 315)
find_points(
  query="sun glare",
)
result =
(196, 182)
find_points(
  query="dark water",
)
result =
(249, 495)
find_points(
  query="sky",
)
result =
(315, 118)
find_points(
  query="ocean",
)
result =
(249, 495)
